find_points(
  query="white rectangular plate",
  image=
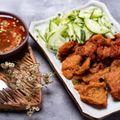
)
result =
(55, 63)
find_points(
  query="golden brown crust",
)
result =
(113, 80)
(70, 64)
(94, 94)
(66, 49)
(94, 65)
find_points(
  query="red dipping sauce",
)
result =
(12, 33)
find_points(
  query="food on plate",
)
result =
(12, 33)
(93, 67)
(94, 94)
(113, 79)
(66, 49)
(88, 46)
(77, 25)
(70, 64)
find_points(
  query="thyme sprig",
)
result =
(7, 65)
(26, 78)
(45, 79)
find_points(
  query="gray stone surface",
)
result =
(57, 105)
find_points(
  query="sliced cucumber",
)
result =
(104, 30)
(57, 20)
(39, 35)
(92, 25)
(55, 42)
(87, 33)
(81, 25)
(95, 27)
(105, 22)
(95, 19)
(71, 32)
(61, 28)
(65, 21)
(78, 21)
(76, 26)
(52, 26)
(97, 13)
(86, 13)
(100, 22)
(83, 36)
(77, 30)
(70, 29)
(48, 35)
(64, 33)
(110, 35)
(90, 9)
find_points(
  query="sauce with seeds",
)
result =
(12, 33)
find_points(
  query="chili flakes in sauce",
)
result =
(12, 33)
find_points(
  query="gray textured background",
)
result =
(57, 104)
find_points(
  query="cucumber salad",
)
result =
(77, 25)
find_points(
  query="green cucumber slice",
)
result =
(77, 30)
(77, 25)
(95, 19)
(71, 32)
(92, 25)
(52, 26)
(48, 35)
(86, 13)
(87, 33)
(57, 20)
(39, 35)
(105, 22)
(83, 36)
(104, 30)
(95, 27)
(55, 42)
(97, 13)
(110, 35)
(78, 21)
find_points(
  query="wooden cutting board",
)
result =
(21, 98)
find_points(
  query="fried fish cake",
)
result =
(69, 65)
(94, 94)
(113, 81)
(84, 67)
(66, 50)
(96, 76)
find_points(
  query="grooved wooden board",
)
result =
(17, 99)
